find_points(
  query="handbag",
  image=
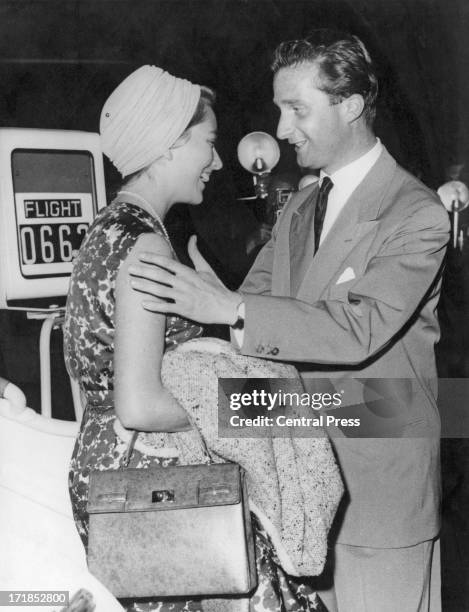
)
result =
(173, 531)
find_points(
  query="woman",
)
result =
(159, 131)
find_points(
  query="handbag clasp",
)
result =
(164, 495)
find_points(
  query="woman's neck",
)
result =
(147, 197)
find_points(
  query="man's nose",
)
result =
(284, 128)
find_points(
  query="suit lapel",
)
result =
(358, 216)
(291, 232)
(301, 233)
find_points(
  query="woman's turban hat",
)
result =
(144, 116)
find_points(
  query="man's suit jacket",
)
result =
(387, 246)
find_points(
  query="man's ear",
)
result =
(353, 107)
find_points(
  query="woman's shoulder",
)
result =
(119, 225)
(124, 215)
(155, 242)
(116, 231)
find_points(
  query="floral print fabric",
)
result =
(89, 349)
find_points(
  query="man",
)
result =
(349, 282)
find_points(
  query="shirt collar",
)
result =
(351, 175)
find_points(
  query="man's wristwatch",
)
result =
(239, 323)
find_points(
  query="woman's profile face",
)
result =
(196, 159)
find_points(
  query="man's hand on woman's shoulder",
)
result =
(197, 294)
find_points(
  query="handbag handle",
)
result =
(125, 460)
(202, 441)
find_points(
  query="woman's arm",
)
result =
(141, 400)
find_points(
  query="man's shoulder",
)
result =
(407, 195)
(412, 183)
(415, 195)
(400, 181)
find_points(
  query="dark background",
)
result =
(60, 59)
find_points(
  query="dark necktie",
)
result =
(320, 211)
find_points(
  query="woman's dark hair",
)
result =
(345, 66)
(206, 101)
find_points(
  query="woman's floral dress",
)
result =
(89, 349)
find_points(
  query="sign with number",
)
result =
(51, 187)
(50, 230)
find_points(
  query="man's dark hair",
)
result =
(345, 67)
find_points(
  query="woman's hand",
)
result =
(197, 294)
